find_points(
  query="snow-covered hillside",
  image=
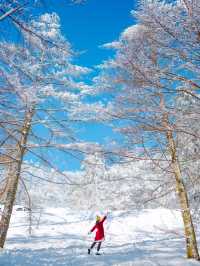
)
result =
(59, 237)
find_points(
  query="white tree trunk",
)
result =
(13, 177)
(191, 243)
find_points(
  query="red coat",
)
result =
(99, 230)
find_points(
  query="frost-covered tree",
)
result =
(39, 83)
(188, 147)
(117, 187)
(90, 193)
(156, 60)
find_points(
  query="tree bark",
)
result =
(191, 243)
(13, 177)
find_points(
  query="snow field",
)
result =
(59, 237)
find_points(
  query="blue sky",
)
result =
(91, 24)
(87, 26)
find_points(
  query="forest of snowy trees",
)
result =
(147, 93)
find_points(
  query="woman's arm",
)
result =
(104, 218)
(93, 228)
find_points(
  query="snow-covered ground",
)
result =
(59, 237)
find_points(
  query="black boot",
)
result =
(98, 253)
(98, 248)
(88, 250)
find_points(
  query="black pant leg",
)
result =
(99, 246)
(93, 244)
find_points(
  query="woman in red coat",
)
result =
(99, 237)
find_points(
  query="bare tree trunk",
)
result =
(191, 243)
(13, 177)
